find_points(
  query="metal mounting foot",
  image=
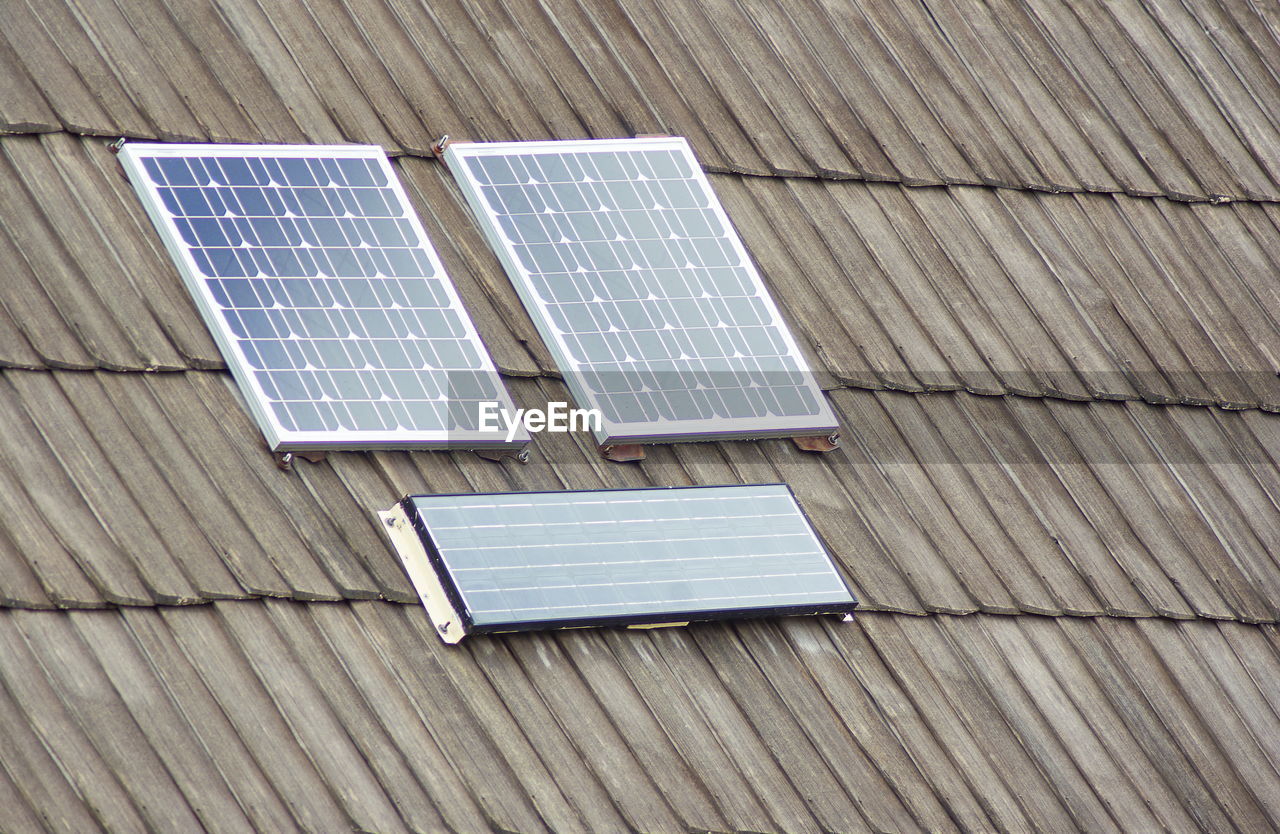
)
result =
(817, 444)
(437, 148)
(521, 455)
(623, 452)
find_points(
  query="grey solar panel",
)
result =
(641, 288)
(327, 300)
(520, 561)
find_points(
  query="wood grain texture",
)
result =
(1029, 250)
(156, 489)
(1175, 100)
(251, 713)
(989, 291)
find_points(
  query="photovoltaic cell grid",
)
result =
(641, 287)
(636, 555)
(327, 299)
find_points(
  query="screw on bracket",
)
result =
(438, 148)
(498, 455)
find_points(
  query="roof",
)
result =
(1030, 251)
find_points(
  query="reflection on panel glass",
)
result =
(631, 270)
(313, 269)
(644, 555)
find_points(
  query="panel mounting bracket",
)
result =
(115, 148)
(496, 455)
(818, 444)
(437, 150)
(442, 144)
(622, 452)
(413, 555)
(284, 460)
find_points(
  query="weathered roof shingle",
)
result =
(1031, 252)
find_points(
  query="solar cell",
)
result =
(323, 292)
(641, 288)
(519, 561)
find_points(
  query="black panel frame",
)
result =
(675, 616)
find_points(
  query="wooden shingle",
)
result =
(1056, 494)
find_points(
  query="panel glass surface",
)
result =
(644, 554)
(328, 301)
(642, 289)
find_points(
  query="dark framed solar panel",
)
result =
(642, 289)
(316, 277)
(546, 560)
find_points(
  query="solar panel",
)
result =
(323, 292)
(641, 288)
(522, 561)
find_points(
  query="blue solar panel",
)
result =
(516, 561)
(327, 300)
(641, 287)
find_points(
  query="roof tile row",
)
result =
(157, 489)
(1178, 100)
(199, 699)
(280, 716)
(990, 291)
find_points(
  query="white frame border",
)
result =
(279, 438)
(824, 423)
